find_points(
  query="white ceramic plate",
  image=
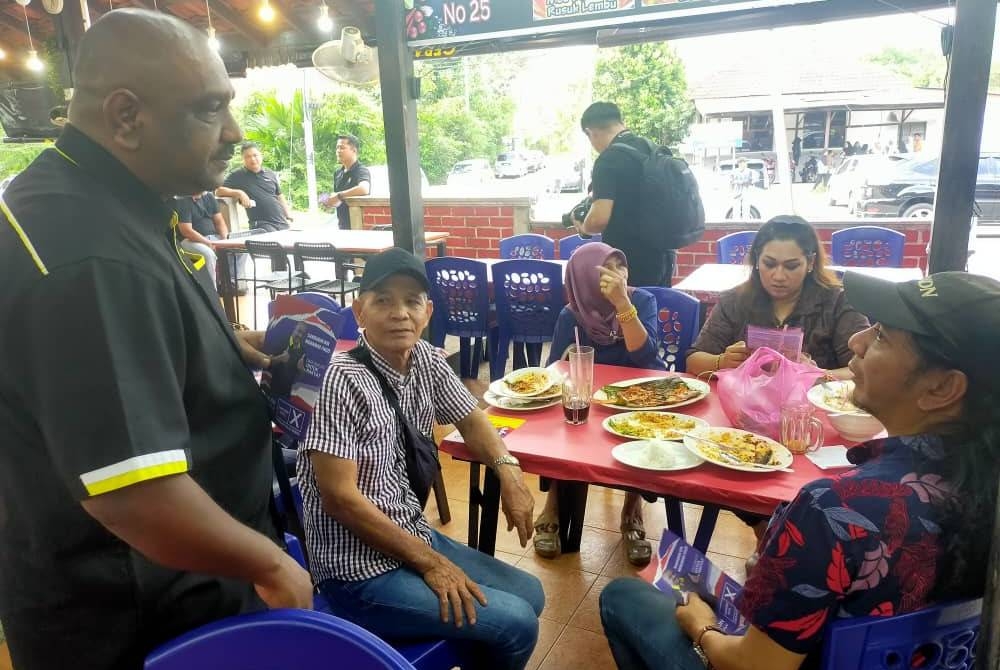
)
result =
(655, 455)
(498, 388)
(555, 382)
(519, 404)
(701, 387)
(661, 434)
(782, 458)
(827, 395)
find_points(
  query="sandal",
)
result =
(546, 539)
(637, 547)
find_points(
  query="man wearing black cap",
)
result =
(373, 554)
(906, 527)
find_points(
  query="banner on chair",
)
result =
(300, 342)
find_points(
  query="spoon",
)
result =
(724, 451)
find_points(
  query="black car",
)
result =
(908, 190)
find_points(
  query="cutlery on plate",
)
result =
(724, 451)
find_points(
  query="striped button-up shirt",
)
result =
(354, 420)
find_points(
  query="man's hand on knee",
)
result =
(455, 591)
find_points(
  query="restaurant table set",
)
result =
(658, 433)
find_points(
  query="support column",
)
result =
(399, 114)
(307, 133)
(964, 109)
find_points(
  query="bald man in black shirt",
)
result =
(135, 464)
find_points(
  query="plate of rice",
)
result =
(658, 455)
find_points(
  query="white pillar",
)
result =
(784, 170)
(307, 131)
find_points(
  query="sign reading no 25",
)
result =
(470, 11)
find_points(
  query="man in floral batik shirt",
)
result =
(904, 528)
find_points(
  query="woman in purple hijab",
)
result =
(620, 323)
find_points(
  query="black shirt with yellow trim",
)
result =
(118, 367)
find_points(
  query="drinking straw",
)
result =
(575, 376)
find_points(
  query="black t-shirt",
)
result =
(263, 188)
(616, 177)
(199, 212)
(345, 180)
(118, 367)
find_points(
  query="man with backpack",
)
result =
(644, 201)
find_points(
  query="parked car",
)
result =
(474, 171)
(569, 176)
(908, 191)
(761, 178)
(510, 164)
(535, 159)
(380, 180)
(849, 177)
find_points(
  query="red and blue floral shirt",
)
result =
(865, 542)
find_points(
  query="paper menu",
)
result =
(786, 341)
(503, 424)
(681, 569)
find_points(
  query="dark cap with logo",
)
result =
(958, 311)
(394, 261)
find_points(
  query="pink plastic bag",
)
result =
(752, 394)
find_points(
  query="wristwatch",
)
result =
(697, 645)
(506, 459)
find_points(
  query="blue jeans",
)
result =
(641, 627)
(400, 605)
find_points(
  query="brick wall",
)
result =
(914, 253)
(476, 227)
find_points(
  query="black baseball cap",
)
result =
(958, 311)
(391, 262)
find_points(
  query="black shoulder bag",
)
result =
(422, 465)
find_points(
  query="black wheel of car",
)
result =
(921, 210)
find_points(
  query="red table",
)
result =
(546, 445)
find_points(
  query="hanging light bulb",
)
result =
(34, 63)
(213, 41)
(266, 12)
(324, 22)
(3, 54)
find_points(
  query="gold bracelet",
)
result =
(629, 315)
(718, 362)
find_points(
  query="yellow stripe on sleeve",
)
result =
(134, 470)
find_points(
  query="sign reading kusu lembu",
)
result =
(435, 22)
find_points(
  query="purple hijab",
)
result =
(594, 313)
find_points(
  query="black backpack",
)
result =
(671, 214)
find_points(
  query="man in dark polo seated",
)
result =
(373, 554)
(906, 527)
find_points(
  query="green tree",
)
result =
(277, 128)
(922, 67)
(648, 83)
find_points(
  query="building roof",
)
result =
(809, 83)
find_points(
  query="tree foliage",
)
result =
(648, 83)
(921, 67)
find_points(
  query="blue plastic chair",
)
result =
(460, 290)
(568, 245)
(679, 315)
(868, 246)
(731, 249)
(528, 246)
(277, 639)
(528, 296)
(940, 637)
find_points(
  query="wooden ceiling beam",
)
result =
(233, 18)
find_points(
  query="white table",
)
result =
(708, 281)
